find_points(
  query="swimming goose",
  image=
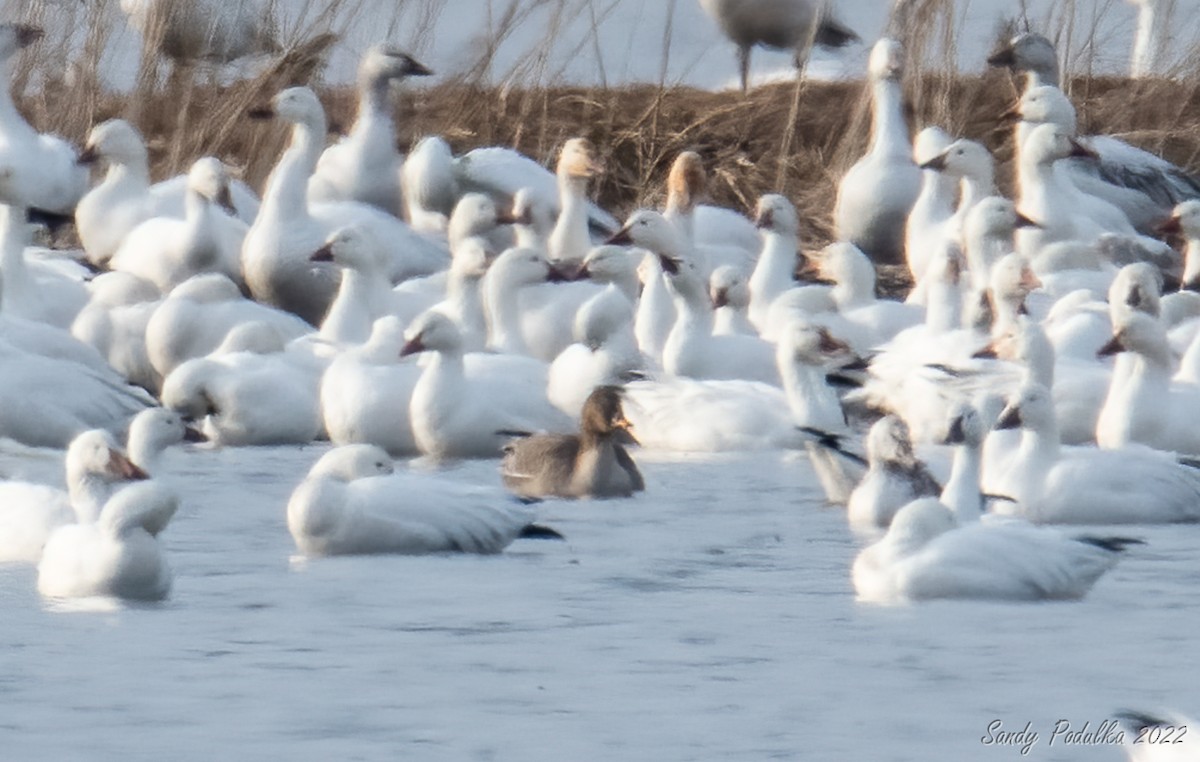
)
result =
(793, 25)
(249, 391)
(288, 229)
(894, 478)
(366, 392)
(95, 468)
(152, 432)
(456, 415)
(605, 349)
(45, 173)
(117, 555)
(931, 212)
(428, 185)
(364, 166)
(592, 463)
(353, 502)
(199, 313)
(731, 301)
(167, 250)
(690, 349)
(204, 30)
(1085, 485)
(876, 195)
(861, 319)
(32, 290)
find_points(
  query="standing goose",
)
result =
(592, 463)
(793, 25)
(203, 30)
(929, 219)
(288, 229)
(365, 166)
(876, 195)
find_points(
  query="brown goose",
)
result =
(592, 463)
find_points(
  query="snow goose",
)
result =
(364, 296)
(1185, 221)
(1031, 55)
(1146, 405)
(972, 167)
(353, 502)
(456, 415)
(288, 229)
(207, 30)
(716, 235)
(793, 25)
(1085, 485)
(876, 195)
(691, 349)
(167, 251)
(366, 391)
(861, 319)
(931, 212)
(511, 273)
(577, 164)
(605, 350)
(592, 463)
(988, 236)
(198, 314)
(249, 391)
(118, 555)
(894, 478)
(773, 272)
(428, 185)
(46, 175)
(152, 432)
(364, 166)
(29, 513)
(502, 172)
(1150, 40)
(731, 300)
(114, 323)
(688, 415)
(32, 291)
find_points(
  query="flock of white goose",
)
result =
(480, 306)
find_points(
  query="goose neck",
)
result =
(961, 493)
(889, 132)
(809, 396)
(287, 188)
(1191, 263)
(503, 312)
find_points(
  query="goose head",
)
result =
(729, 287)
(1137, 287)
(1030, 54)
(889, 442)
(156, 429)
(995, 218)
(431, 332)
(1184, 220)
(649, 230)
(846, 265)
(1032, 407)
(352, 462)
(208, 178)
(930, 142)
(1048, 143)
(383, 62)
(531, 216)
(1046, 105)
(962, 158)
(966, 427)
(351, 248)
(95, 454)
(577, 161)
(686, 182)
(887, 61)
(17, 37)
(516, 268)
(296, 105)
(608, 264)
(775, 214)
(115, 141)
(601, 317)
(603, 416)
(475, 214)
(1012, 279)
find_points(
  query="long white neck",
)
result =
(655, 313)
(15, 128)
(503, 311)
(982, 252)
(17, 283)
(975, 186)
(132, 174)
(811, 400)
(350, 316)
(933, 207)
(87, 493)
(144, 451)
(1149, 41)
(889, 133)
(772, 275)
(569, 241)
(374, 113)
(1191, 263)
(943, 307)
(961, 493)
(466, 304)
(287, 187)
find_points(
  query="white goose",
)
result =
(364, 295)
(352, 502)
(773, 272)
(605, 349)
(456, 415)
(118, 555)
(718, 236)
(32, 290)
(569, 241)
(45, 173)
(928, 221)
(876, 195)
(29, 513)
(204, 30)
(428, 185)
(288, 229)
(366, 392)
(114, 324)
(972, 167)
(731, 302)
(894, 478)
(365, 166)
(167, 250)
(1130, 485)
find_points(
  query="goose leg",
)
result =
(744, 66)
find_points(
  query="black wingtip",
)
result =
(832, 34)
(831, 441)
(1136, 720)
(53, 221)
(1114, 544)
(513, 433)
(539, 532)
(843, 382)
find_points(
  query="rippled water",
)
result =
(711, 618)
